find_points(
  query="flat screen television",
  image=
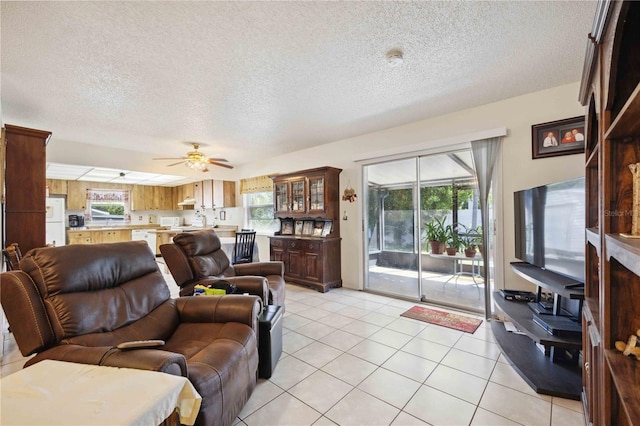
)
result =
(550, 227)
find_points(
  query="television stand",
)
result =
(547, 362)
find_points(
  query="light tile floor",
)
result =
(350, 359)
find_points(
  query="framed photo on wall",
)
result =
(562, 137)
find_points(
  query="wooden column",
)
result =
(24, 187)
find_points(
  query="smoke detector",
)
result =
(394, 58)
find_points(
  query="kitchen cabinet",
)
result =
(218, 194)
(610, 92)
(138, 199)
(145, 197)
(311, 195)
(98, 236)
(186, 192)
(158, 198)
(57, 186)
(23, 174)
(79, 237)
(77, 194)
(110, 236)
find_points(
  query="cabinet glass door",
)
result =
(316, 193)
(297, 196)
(282, 197)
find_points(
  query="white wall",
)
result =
(518, 169)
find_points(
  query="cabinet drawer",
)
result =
(312, 246)
(277, 243)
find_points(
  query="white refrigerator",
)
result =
(56, 232)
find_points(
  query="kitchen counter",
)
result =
(224, 229)
(112, 228)
(165, 235)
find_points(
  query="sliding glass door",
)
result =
(392, 228)
(410, 202)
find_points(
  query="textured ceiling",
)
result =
(252, 79)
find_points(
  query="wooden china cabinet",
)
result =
(610, 91)
(307, 204)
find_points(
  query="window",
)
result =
(107, 205)
(259, 211)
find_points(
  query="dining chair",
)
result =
(12, 256)
(243, 248)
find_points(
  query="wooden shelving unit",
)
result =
(545, 371)
(520, 314)
(610, 91)
(539, 371)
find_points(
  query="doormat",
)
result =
(445, 319)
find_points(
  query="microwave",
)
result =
(170, 221)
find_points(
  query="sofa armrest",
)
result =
(229, 308)
(31, 326)
(254, 285)
(260, 268)
(109, 356)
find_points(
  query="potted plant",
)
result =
(453, 241)
(470, 239)
(436, 235)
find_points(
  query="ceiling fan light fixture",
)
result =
(195, 164)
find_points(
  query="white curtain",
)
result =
(484, 153)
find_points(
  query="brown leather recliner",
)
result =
(197, 258)
(76, 303)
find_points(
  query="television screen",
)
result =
(564, 228)
(549, 227)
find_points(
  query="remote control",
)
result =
(140, 344)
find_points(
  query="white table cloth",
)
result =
(65, 393)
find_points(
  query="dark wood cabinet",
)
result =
(314, 262)
(610, 91)
(24, 182)
(309, 195)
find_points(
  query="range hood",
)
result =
(188, 202)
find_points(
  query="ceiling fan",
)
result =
(196, 160)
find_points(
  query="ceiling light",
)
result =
(394, 58)
(196, 164)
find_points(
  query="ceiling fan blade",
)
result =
(218, 159)
(170, 158)
(175, 164)
(220, 164)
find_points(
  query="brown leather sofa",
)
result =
(197, 258)
(76, 303)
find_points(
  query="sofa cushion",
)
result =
(205, 254)
(97, 290)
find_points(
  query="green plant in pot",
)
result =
(453, 241)
(470, 239)
(436, 235)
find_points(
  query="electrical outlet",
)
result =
(139, 217)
